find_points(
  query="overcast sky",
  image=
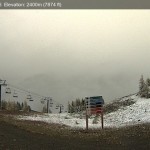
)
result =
(75, 53)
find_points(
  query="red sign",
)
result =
(97, 110)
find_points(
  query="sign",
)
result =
(94, 104)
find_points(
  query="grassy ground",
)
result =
(32, 135)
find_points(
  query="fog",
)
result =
(69, 54)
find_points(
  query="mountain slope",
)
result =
(136, 113)
(139, 112)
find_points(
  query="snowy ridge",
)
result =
(137, 113)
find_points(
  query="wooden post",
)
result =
(102, 119)
(86, 120)
(0, 98)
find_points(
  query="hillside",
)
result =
(136, 112)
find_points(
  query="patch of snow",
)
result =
(137, 113)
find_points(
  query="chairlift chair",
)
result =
(44, 99)
(56, 107)
(15, 94)
(8, 90)
(29, 97)
(31, 100)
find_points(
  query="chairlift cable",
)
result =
(18, 89)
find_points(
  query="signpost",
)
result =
(94, 105)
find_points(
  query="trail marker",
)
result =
(94, 105)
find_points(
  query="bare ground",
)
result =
(32, 135)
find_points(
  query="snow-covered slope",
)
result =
(137, 113)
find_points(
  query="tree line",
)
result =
(144, 87)
(76, 106)
(15, 106)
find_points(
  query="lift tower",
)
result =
(2, 83)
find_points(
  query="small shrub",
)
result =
(76, 122)
(95, 120)
(66, 117)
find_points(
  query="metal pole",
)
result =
(2, 83)
(60, 109)
(47, 105)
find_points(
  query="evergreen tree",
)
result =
(145, 91)
(147, 88)
(8, 106)
(69, 108)
(72, 107)
(144, 87)
(22, 106)
(148, 82)
(29, 108)
(18, 106)
(77, 105)
(44, 109)
(25, 107)
(4, 103)
(141, 86)
(83, 104)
